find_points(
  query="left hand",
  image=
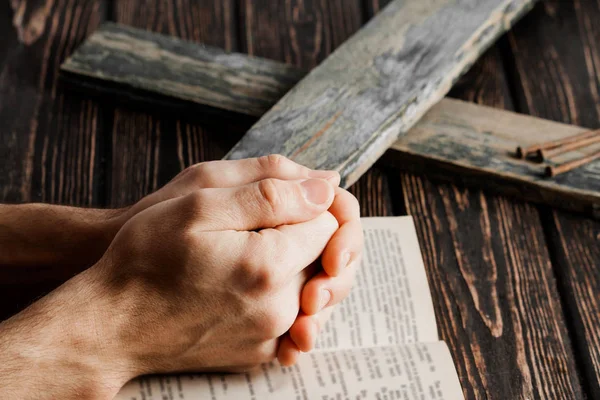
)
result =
(339, 260)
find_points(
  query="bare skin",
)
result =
(100, 329)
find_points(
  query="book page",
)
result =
(416, 371)
(390, 302)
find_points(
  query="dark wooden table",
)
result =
(516, 286)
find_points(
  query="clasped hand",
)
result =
(219, 268)
(231, 264)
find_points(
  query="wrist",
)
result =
(108, 225)
(43, 236)
(64, 346)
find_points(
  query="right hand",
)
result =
(210, 280)
(338, 272)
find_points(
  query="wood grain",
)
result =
(485, 255)
(490, 274)
(49, 137)
(303, 33)
(558, 69)
(29, 19)
(475, 145)
(494, 291)
(454, 141)
(122, 61)
(149, 149)
(378, 84)
(495, 288)
(45, 158)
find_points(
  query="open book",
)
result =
(380, 343)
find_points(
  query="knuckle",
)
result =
(203, 174)
(207, 174)
(265, 279)
(187, 240)
(256, 275)
(270, 193)
(246, 272)
(272, 162)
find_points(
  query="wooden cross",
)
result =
(355, 105)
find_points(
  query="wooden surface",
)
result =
(475, 146)
(515, 286)
(303, 34)
(149, 149)
(456, 141)
(378, 84)
(559, 79)
(49, 140)
(495, 292)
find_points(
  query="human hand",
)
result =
(206, 281)
(211, 280)
(341, 256)
(66, 240)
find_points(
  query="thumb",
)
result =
(264, 204)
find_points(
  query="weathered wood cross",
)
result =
(381, 89)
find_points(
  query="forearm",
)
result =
(58, 239)
(63, 346)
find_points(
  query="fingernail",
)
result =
(316, 191)
(324, 298)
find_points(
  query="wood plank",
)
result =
(49, 145)
(43, 158)
(490, 270)
(454, 141)
(490, 274)
(558, 71)
(303, 33)
(120, 60)
(475, 145)
(494, 292)
(378, 84)
(149, 149)
(139, 65)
